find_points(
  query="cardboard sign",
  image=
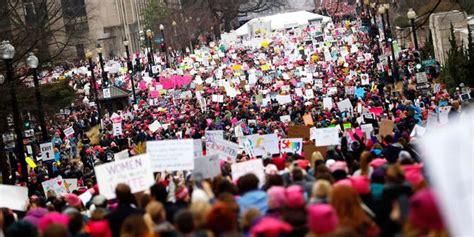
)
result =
(171, 155)
(224, 149)
(299, 131)
(386, 127)
(207, 167)
(262, 144)
(285, 118)
(308, 120)
(309, 148)
(252, 166)
(293, 145)
(69, 131)
(47, 152)
(14, 197)
(55, 185)
(135, 171)
(327, 136)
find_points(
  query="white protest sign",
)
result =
(454, 194)
(418, 131)
(85, 197)
(121, 155)
(293, 145)
(135, 172)
(69, 131)
(154, 126)
(263, 144)
(197, 148)
(106, 93)
(283, 99)
(117, 129)
(171, 155)
(367, 129)
(207, 167)
(345, 105)
(55, 185)
(285, 118)
(252, 166)
(327, 103)
(226, 150)
(327, 136)
(309, 93)
(14, 197)
(71, 184)
(47, 152)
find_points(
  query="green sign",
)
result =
(428, 63)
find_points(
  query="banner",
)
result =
(326, 136)
(135, 172)
(171, 155)
(293, 145)
(14, 197)
(207, 167)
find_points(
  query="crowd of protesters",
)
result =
(366, 186)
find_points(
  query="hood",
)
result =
(254, 199)
(34, 215)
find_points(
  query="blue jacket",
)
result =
(254, 199)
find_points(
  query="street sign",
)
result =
(428, 63)
(158, 40)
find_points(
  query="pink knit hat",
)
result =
(339, 165)
(52, 218)
(322, 219)
(424, 212)
(276, 197)
(73, 200)
(295, 196)
(269, 226)
(360, 184)
(376, 163)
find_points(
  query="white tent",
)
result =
(283, 20)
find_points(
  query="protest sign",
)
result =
(47, 152)
(418, 131)
(214, 134)
(154, 126)
(386, 127)
(252, 166)
(376, 110)
(224, 149)
(327, 103)
(55, 185)
(106, 93)
(308, 119)
(117, 129)
(309, 148)
(121, 155)
(344, 105)
(197, 148)
(171, 155)
(262, 144)
(14, 197)
(70, 184)
(30, 162)
(283, 99)
(136, 172)
(285, 118)
(293, 145)
(206, 167)
(327, 136)
(298, 131)
(85, 197)
(367, 129)
(69, 131)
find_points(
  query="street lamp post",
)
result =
(162, 29)
(389, 28)
(100, 50)
(32, 62)
(394, 60)
(382, 12)
(411, 14)
(7, 52)
(93, 84)
(130, 68)
(149, 35)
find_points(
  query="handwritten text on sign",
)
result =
(226, 150)
(171, 155)
(134, 171)
(207, 166)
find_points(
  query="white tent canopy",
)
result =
(281, 21)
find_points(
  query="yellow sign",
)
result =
(30, 162)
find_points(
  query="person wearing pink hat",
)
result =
(277, 201)
(322, 220)
(424, 217)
